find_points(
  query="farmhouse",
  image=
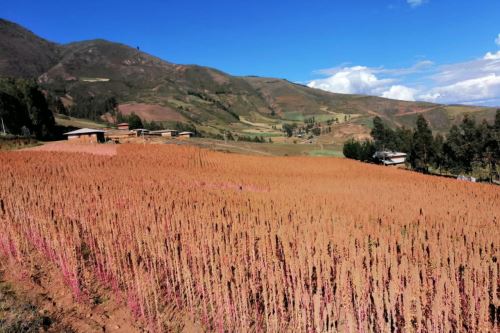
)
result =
(123, 126)
(164, 133)
(185, 135)
(88, 135)
(387, 157)
(118, 135)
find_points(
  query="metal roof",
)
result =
(162, 131)
(84, 131)
(185, 133)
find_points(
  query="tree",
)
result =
(378, 132)
(188, 127)
(367, 151)
(152, 125)
(93, 107)
(423, 150)
(439, 160)
(490, 145)
(120, 118)
(352, 149)
(471, 142)
(463, 146)
(384, 137)
(452, 150)
(289, 129)
(403, 139)
(22, 103)
(134, 121)
(60, 108)
(362, 151)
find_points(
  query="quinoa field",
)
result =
(257, 244)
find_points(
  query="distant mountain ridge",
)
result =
(205, 96)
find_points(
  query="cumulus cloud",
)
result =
(492, 56)
(400, 92)
(363, 80)
(497, 40)
(471, 82)
(415, 3)
(352, 80)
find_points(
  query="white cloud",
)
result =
(417, 67)
(352, 80)
(363, 80)
(471, 82)
(492, 56)
(400, 92)
(497, 40)
(429, 97)
(462, 71)
(415, 3)
(479, 90)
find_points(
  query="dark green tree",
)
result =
(471, 144)
(490, 145)
(463, 146)
(134, 121)
(24, 104)
(438, 161)
(93, 107)
(367, 151)
(352, 149)
(403, 139)
(13, 114)
(423, 150)
(120, 118)
(60, 108)
(289, 129)
(152, 125)
(452, 150)
(362, 151)
(384, 137)
(379, 131)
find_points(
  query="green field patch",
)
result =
(325, 152)
(364, 121)
(293, 116)
(253, 133)
(176, 103)
(319, 117)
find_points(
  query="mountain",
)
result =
(22, 53)
(213, 100)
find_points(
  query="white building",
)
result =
(387, 157)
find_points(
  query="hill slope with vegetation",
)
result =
(94, 79)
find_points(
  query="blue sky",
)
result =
(409, 49)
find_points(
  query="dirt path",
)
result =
(70, 147)
(400, 114)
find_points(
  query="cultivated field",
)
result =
(251, 244)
